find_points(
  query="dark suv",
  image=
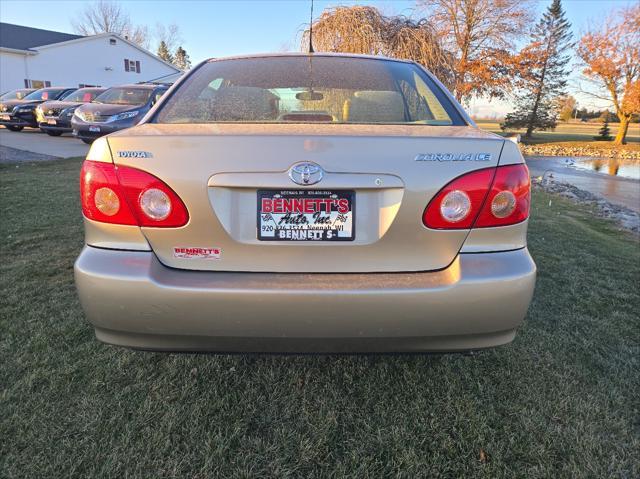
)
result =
(54, 117)
(116, 109)
(16, 114)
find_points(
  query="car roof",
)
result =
(145, 86)
(311, 55)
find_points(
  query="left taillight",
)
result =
(128, 196)
(484, 198)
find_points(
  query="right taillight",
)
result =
(481, 199)
(509, 198)
(128, 196)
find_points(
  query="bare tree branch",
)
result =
(169, 34)
(106, 16)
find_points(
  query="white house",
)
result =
(35, 58)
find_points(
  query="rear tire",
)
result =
(14, 127)
(53, 133)
(87, 141)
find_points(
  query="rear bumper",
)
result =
(133, 300)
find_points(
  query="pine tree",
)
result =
(181, 59)
(163, 52)
(543, 73)
(604, 134)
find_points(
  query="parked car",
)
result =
(116, 109)
(18, 94)
(305, 203)
(54, 117)
(18, 113)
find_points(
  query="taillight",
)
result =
(128, 196)
(509, 199)
(481, 199)
(474, 186)
(101, 195)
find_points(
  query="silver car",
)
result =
(305, 202)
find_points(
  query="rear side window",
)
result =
(296, 89)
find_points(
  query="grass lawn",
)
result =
(578, 132)
(561, 401)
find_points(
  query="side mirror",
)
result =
(514, 137)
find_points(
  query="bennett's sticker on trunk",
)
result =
(197, 253)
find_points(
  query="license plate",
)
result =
(51, 122)
(5, 118)
(306, 215)
(95, 129)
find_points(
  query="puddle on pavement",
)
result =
(607, 166)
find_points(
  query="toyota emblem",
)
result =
(306, 173)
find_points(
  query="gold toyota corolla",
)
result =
(305, 202)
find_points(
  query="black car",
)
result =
(8, 101)
(54, 117)
(116, 109)
(16, 114)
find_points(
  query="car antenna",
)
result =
(311, 30)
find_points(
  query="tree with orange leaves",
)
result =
(481, 36)
(612, 60)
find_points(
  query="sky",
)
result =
(225, 27)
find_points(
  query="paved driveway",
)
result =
(615, 189)
(35, 141)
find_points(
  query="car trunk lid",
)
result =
(392, 171)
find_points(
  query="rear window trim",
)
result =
(457, 118)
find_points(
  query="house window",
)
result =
(112, 41)
(36, 83)
(131, 65)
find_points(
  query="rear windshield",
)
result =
(83, 95)
(44, 94)
(300, 89)
(15, 95)
(125, 96)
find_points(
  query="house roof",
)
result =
(30, 41)
(18, 37)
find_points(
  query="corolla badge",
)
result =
(453, 157)
(306, 173)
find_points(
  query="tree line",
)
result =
(470, 45)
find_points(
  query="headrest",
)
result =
(242, 103)
(376, 107)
